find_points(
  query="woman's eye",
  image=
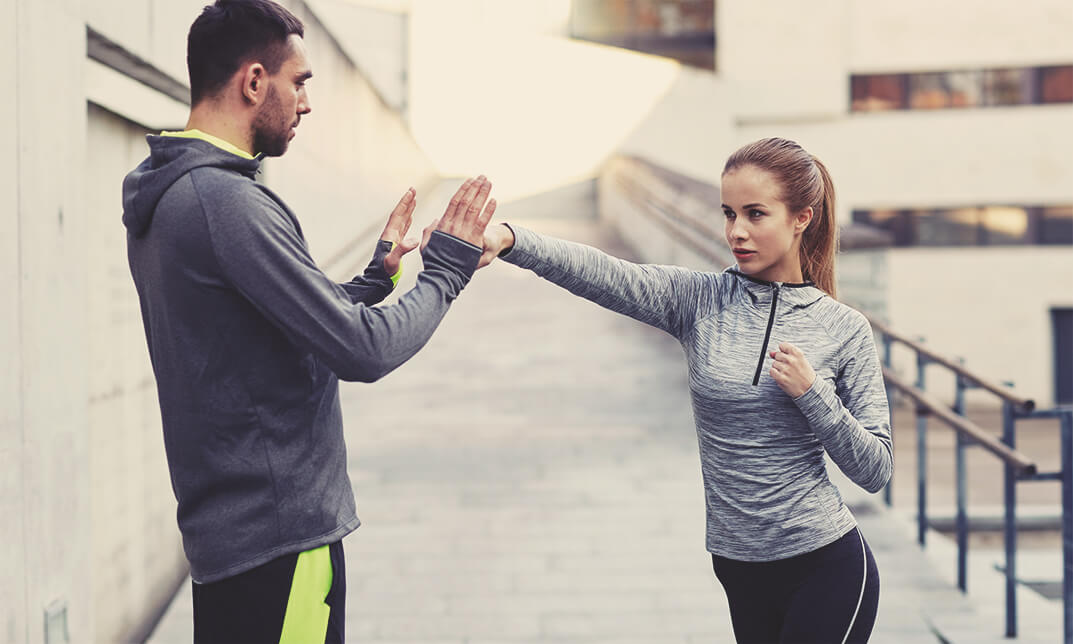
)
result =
(728, 214)
(756, 213)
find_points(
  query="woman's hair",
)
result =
(804, 182)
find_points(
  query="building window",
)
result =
(961, 88)
(1056, 84)
(1056, 225)
(1062, 325)
(974, 225)
(679, 29)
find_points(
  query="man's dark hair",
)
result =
(231, 33)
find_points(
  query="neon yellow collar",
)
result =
(217, 141)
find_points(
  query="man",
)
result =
(248, 338)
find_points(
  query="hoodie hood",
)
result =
(169, 159)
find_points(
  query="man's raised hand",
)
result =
(467, 214)
(398, 224)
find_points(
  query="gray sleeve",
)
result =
(374, 284)
(666, 297)
(262, 255)
(852, 417)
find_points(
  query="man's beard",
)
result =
(271, 131)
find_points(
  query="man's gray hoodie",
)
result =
(248, 339)
(766, 485)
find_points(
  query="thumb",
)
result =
(407, 245)
(487, 257)
(427, 233)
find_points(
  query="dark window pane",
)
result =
(898, 223)
(1062, 324)
(960, 227)
(1056, 225)
(878, 92)
(1056, 84)
(973, 226)
(1008, 87)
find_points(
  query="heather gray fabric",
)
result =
(248, 339)
(766, 486)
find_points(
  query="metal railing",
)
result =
(1018, 468)
(635, 177)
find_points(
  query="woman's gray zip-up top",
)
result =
(766, 486)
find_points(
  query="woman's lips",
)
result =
(742, 254)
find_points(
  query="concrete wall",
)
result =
(44, 442)
(153, 30)
(375, 38)
(137, 555)
(990, 306)
(785, 60)
(90, 545)
(690, 129)
(922, 35)
(13, 601)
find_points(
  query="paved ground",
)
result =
(532, 476)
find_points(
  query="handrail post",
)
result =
(922, 457)
(888, 488)
(1010, 501)
(962, 491)
(1067, 525)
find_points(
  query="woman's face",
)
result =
(764, 235)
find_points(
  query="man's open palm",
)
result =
(464, 217)
(398, 224)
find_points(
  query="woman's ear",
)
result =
(802, 220)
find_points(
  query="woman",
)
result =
(780, 372)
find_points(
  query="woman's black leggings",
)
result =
(829, 595)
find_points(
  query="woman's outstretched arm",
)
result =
(666, 297)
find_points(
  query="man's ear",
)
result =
(802, 220)
(254, 83)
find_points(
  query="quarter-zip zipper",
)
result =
(767, 334)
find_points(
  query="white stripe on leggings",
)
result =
(864, 580)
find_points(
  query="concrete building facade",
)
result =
(990, 304)
(788, 69)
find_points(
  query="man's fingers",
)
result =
(408, 217)
(454, 225)
(404, 207)
(397, 220)
(486, 216)
(452, 206)
(474, 210)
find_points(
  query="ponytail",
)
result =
(819, 242)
